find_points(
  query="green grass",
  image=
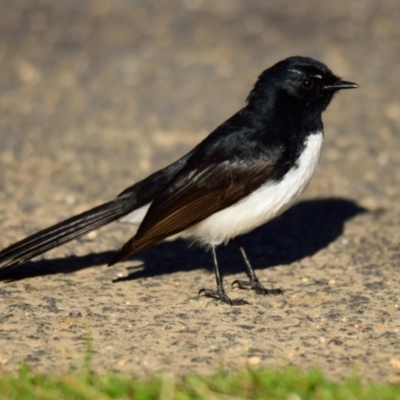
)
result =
(287, 383)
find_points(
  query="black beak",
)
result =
(341, 85)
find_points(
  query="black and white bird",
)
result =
(246, 172)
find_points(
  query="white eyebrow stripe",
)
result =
(318, 76)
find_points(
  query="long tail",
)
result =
(63, 232)
(133, 198)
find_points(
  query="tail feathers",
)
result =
(62, 232)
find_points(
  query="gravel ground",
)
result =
(95, 95)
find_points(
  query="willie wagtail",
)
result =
(246, 172)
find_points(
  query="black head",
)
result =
(298, 81)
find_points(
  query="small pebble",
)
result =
(75, 314)
(91, 235)
(3, 361)
(395, 363)
(254, 360)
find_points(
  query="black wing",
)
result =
(196, 193)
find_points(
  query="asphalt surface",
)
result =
(95, 95)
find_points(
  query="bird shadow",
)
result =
(301, 231)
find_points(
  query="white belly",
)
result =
(256, 209)
(263, 204)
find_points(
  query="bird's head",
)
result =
(300, 81)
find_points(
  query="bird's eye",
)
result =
(307, 83)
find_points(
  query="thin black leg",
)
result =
(253, 283)
(220, 292)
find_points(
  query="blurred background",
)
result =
(95, 94)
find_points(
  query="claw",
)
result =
(220, 294)
(256, 286)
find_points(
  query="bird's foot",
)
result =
(254, 284)
(222, 296)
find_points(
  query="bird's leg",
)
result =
(220, 292)
(253, 283)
